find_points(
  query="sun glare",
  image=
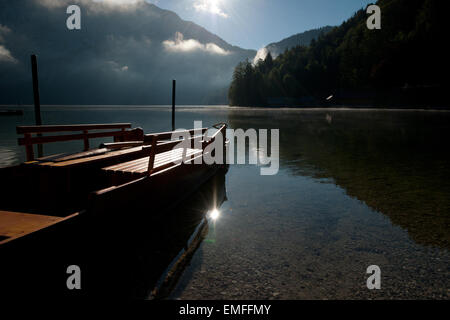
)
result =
(210, 6)
(118, 1)
(214, 214)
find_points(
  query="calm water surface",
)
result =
(355, 188)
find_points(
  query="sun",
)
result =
(118, 1)
(214, 6)
(210, 6)
(214, 3)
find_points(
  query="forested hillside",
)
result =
(401, 64)
(299, 39)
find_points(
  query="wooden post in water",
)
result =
(174, 84)
(37, 103)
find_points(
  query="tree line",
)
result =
(405, 58)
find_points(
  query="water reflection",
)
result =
(395, 162)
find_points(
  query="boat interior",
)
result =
(46, 190)
(131, 204)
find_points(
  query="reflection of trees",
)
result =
(395, 162)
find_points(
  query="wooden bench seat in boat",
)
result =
(161, 156)
(139, 167)
(61, 184)
(89, 159)
(128, 144)
(120, 132)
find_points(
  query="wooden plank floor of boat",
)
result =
(17, 224)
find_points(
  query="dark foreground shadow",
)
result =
(120, 260)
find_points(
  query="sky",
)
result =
(253, 24)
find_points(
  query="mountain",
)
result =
(123, 54)
(299, 39)
(403, 64)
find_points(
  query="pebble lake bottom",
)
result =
(355, 188)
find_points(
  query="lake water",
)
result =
(355, 188)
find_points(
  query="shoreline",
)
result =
(308, 108)
(345, 108)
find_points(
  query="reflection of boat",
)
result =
(74, 208)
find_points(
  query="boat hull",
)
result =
(122, 242)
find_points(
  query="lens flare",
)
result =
(214, 214)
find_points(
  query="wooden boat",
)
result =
(84, 208)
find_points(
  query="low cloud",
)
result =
(209, 6)
(95, 5)
(260, 55)
(119, 1)
(52, 3)
(123, 56)
(6, 56)
(4, 30)
(115, 66)
(190, 45)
